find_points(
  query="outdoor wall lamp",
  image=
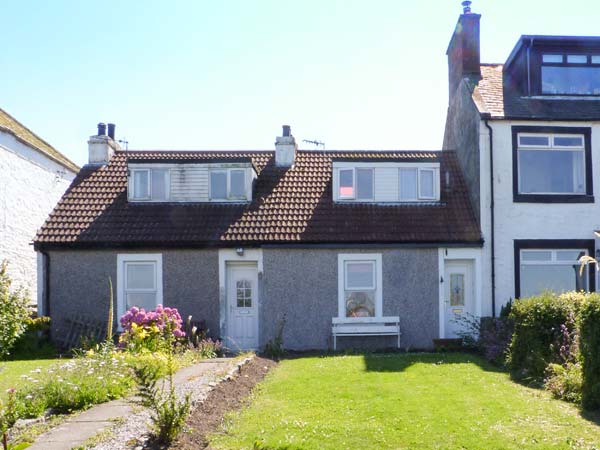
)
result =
(240, 251)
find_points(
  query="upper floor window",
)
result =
(386, 182)
(551, 165)
(570, 74)
(356, 184)
(228, 184)
(149, 184)
(190, 182)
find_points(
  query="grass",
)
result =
(11, 371)
(402, 401)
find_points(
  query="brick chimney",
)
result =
(102, 147)
(285, 148)
(463, 50)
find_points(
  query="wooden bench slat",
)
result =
(365, 326)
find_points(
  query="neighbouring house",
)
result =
(33, 177)
(527, 137)
(246, 239)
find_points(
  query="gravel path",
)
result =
(123, 424)
(197, 380)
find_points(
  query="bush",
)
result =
(207, 348)
(589, 323)
(490, 336)
(14, 312)
(35, 341)
(540, 324)
(565, 381)
(168, 413)
(148, 330)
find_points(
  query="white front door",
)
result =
(242, 296)
(458, 295)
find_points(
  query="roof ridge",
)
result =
(66, 161)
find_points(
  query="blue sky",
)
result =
(227, 74)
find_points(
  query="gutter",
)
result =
(492, 237)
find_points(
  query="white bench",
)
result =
(365, 326)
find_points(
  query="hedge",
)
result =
(537, 333)
(589, 327)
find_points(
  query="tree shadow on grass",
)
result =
(399, 362)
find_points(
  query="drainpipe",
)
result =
(46, 297)
(492, 237)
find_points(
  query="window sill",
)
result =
(552, 198)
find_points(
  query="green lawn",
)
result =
(402, 401)
(11, 371)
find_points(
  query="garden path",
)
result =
(80, 429)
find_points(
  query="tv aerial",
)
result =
(315, 143)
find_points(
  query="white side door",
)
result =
(242, 296)
(458, 295)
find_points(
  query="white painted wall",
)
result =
(527, 220)
(30, 186)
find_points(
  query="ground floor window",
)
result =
(359, 285)
(139, 281)
(553, 266)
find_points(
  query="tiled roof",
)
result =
(291, 205)
(498, 99)
(11, 125)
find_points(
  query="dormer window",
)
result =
(228, 184)
(570, 74)
(356, 184)
(385, 182)
(150, 185)
(190, 182)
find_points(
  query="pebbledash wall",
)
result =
(79, 283)
(30, 186)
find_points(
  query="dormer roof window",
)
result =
(392, 182)
(191, 182)
(570, 74)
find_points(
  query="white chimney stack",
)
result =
(101, 147)
(285, 148)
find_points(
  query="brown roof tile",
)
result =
(292, 205)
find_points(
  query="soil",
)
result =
(225, 397)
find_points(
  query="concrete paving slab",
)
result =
(84, 426)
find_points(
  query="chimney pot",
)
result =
(287, 130)
(111, 131)
(101, 129)
(466, 7)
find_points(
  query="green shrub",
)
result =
(14, 312)
(540, 324)
(565, 381)
(168, 414)
(35, 342)
(589, 324)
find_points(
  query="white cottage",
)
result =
(33, 177)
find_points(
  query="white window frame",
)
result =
(131, 188)
(551, 146)
(375, 258)
(339, 186)
(353, 167)
(123, 259)
(229, 197)
(433, 188)
(133, 193)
